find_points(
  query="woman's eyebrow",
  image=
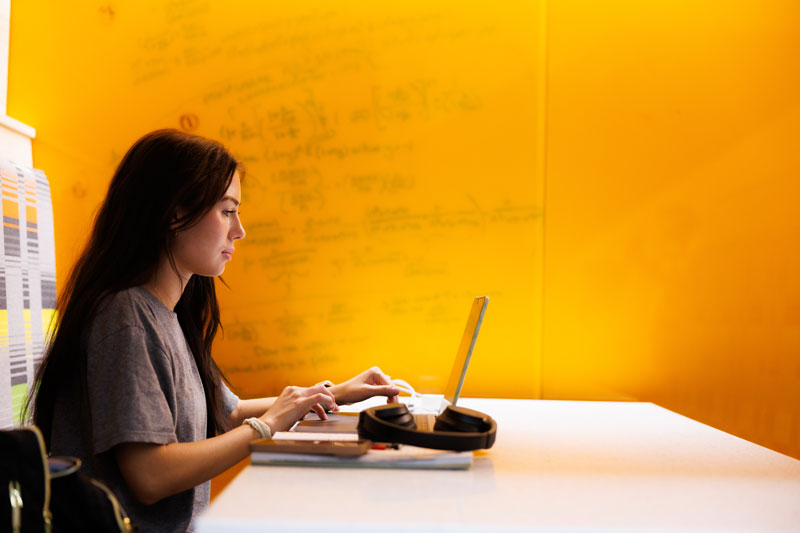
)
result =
(232, 199)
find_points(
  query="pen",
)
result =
(393, 446)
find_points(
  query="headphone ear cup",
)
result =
(461, 420)
(396, 413)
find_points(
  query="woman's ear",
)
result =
(177, 219)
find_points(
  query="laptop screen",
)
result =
(461, 363)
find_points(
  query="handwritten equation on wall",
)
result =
(390, 176)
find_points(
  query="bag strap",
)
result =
(29, 443)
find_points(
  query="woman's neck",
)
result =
(167, 285)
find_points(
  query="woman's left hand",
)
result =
(370, 383)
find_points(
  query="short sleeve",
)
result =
(130, 385)
(229, 399)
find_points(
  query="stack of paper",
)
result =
(403, 457)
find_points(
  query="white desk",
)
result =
(557, 466)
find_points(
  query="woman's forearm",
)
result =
(155, 471)
(249, 408)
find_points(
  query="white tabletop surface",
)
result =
(556, 466)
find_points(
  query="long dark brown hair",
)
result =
(164, 172)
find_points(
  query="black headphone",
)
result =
(457, 428)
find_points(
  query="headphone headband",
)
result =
(457, 428)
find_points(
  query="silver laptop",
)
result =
(346, 422)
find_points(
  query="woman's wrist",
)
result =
(335, 390)
(262, 428)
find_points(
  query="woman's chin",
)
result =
(212, 273)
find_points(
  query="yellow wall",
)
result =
(670, 174)
(672, 227)
(392, 157)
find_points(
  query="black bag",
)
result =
(41, 494)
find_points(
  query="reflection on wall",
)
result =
(27, 282)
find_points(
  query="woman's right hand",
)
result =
(294, 402)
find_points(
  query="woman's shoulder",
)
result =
(134, 307)
(133, 300)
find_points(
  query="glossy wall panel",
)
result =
(664, 135)
(392, 158)
(672, 227)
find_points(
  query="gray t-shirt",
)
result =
(143, 386)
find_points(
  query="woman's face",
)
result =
(204, 248)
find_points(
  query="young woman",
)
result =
(128, 383)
